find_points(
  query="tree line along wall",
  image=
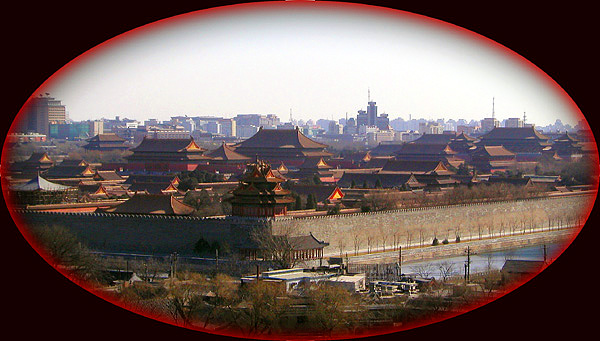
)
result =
(360, 232)
(345, 232)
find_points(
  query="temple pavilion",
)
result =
(259, 193)
(527, 143)
(106, 142)
(166, 155)
(281, 145)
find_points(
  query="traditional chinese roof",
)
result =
(153, 187)
(504, 133)
(416, 167)
(40, 158)
(322, 193)
(358, 156)
(168, 146)
(443, 139)
(40, 184)
(378, 162)
(108, 175)
(282, 169)
(386, 149)
(106, 141)
(227, 153)
(73, 162)
(280, 138)
(152, 204)
(314, 163)
(425, 149)
(297, 243)
(387, 180)
(106, 138)
(493, 151)
(145, 178)
(260, 171)
(306, 242)
(259, 185)
(463, 137)
(69, 171)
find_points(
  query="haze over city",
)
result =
(311, 61)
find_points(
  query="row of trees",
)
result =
(221, 303)
(259, 308)
(388, 200)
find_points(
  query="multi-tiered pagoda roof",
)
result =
(259, 193)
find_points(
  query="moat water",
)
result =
(481, 262)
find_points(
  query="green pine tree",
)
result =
(311, 202)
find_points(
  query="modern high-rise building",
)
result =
(372, 113)
(514, 123)
(40, 112)
(382, 122)
(362, 118)
(487, 124)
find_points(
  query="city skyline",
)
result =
(239, 62)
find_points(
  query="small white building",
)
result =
(350, 282)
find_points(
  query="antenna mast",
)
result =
(493, 107)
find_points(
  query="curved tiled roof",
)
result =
(39, 183)
(493, 151)
(225, 153)
(106, 138)
(152, 204)
(422, 148)
(524, 133)
(168, 145)
(434, 139)
(279, 138)
(423, 167)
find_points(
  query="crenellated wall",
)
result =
(157, 234)
(161, 234)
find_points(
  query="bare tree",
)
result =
(341, 245)
(446, 270)
(423, 270)
(356, 240)
(277, 248)
(333, 308)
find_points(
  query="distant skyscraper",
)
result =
(382, 122)
(487, 124)
(362, 118)
(40, 112)
(371, 114)
(514, 122)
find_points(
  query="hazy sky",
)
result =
(313, 58)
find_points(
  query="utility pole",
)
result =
(217, 259)
(173, 264)
(399, 261)
(468, 265)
